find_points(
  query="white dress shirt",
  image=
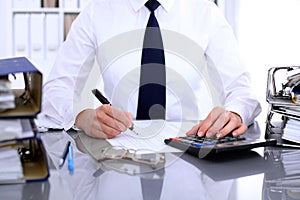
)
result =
(201, 56)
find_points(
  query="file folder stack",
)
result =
(22, 154)
(283, 96)
(7, 98)
(284, 181)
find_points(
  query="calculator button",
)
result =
(198, 144)
(175, 139)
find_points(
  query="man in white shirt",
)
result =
(204, 76)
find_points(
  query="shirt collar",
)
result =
(138, 4)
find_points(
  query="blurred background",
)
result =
(267, 31)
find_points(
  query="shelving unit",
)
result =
(40, 26)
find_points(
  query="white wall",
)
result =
(6, 28)
(268, 34)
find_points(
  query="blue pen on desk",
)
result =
(70, 160)
(104, 100)
(65, 153)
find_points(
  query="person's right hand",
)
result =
(104, 121)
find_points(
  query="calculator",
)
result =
(202, 147)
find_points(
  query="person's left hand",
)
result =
(219, 123)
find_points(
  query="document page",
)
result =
(291, 131)
(11, 166)
(15, 129)
(7, 98)
(150, 134)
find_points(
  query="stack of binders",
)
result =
(22, 153)
(282, 183)
(283, 96)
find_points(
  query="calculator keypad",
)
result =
(203, 147)
(204, 141)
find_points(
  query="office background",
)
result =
(267, 32)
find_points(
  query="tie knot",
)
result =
(152, 5)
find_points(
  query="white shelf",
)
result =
(37, 32)
(71, 11)
(36, 10)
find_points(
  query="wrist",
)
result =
(238, 116)
(82, 119)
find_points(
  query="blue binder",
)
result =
(28, 106)
(28, 100)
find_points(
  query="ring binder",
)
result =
(28, 100)
(283, 89)
(30, 147)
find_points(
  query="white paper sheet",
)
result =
(11, 167)
(291, 131)
(152, 135)
(15, 129)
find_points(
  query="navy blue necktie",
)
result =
(152, 91)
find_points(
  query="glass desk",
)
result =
(260, 174)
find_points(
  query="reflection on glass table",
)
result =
(174, 179)
(283, 182)
(179, 177)
(119, 158)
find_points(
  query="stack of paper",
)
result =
(283, 96)
(7, 98)
(291, 162)
(11, 166)
(291, 131)
(287, 175)
(15, 129)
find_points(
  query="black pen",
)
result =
(104, 100)
(65, 153)
(100, 96)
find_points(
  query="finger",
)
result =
(109, 132)
(99, 133)
(122, 117)
(222, 120)
(233, 123)
(193, 131)
(129, 115)
(101, 130)
(104, 118)
(112, 123)
(240, 131)
(208, 122)
(118, 119)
